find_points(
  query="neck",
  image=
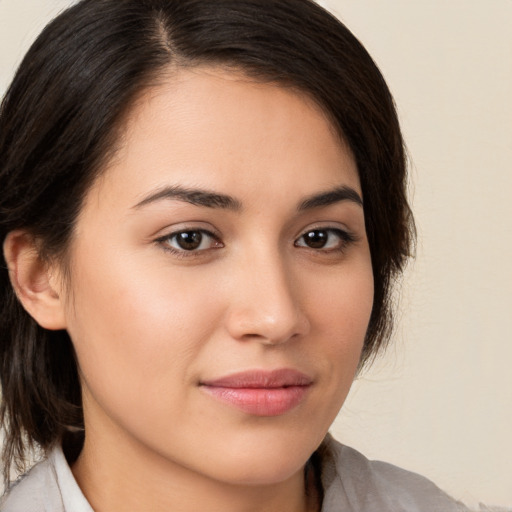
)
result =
(123, 476)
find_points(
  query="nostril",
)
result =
(251, 325)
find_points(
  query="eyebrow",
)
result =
(208, 199)
(329, 197)
(195, 196)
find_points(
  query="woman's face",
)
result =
(221, 282)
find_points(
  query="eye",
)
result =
(189, 240)
(325, 239)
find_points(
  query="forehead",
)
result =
(220, 129)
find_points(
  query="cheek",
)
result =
(340, 311)
(341, 302)
(133, 325)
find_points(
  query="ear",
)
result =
(33, 281)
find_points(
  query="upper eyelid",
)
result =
(327, 226)
(164, 242)
(176, 232)
(346, 235)
(215, 234)
(170, 231)
(186, 226)
(331, 229)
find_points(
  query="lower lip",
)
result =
(260, 401)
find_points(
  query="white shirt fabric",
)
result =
(48, 487)
(351, 483)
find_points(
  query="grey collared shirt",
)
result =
(351, 483)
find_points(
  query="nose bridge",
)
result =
(267, 304)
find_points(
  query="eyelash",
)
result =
(346, 238)
(164, 242)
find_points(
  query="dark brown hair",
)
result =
(58, 127)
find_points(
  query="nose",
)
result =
(265, 306)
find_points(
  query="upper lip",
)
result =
(284, 377)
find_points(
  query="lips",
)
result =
(261, 393)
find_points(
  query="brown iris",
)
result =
(316, 239)
(189, 240)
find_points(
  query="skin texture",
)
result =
(150, 325)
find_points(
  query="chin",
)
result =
(259, 471)
(265, 461)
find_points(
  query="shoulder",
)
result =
(352, 482)
(48, 487)
(36, 491)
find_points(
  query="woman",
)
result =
(202, 214)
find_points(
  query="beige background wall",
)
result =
(440, 401)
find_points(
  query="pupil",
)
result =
(316, 239)
(189, 240)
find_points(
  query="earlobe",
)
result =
(32, 280)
